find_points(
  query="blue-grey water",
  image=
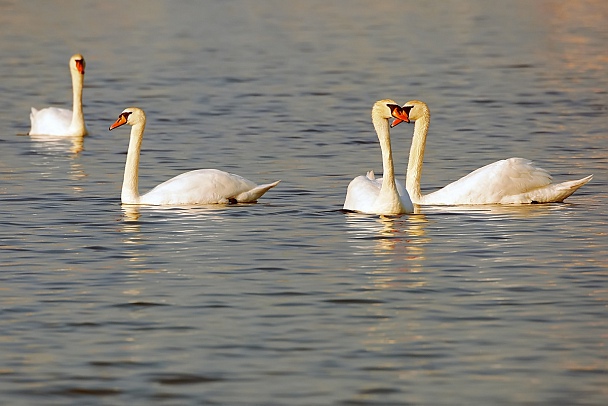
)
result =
(290, 301)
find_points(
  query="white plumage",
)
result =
(62, 122)
(202, 186)
(508, 181)
(371, 195)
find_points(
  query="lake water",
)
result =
(290, 301)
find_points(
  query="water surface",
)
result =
(290, 301)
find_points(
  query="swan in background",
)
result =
(63, 122)
(202, 186)
(366, 194)
(508, 181)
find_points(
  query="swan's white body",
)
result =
(508, 181)
(63, 122)
(202, 186)
(366, 194)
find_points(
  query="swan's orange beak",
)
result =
(80, 66)
(400, 114)
(122, 119)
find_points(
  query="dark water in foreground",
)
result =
(290, 301)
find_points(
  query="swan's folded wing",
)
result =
(492, 183)
(521, 175)
(202, 186)
(362, 193)
(50, 121)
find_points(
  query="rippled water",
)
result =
(290, 301)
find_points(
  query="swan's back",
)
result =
(205, 186)
(363, 191)
(508, 181)
(50, 121)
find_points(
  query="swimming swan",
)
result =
(508, 181)
(56, 121)
(366, 194)
(202, 186)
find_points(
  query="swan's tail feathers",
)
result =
(559, 192)
(371, 175)
(254, 194)
(572, 186)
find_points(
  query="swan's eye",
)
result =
(125, 115)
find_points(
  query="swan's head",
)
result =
(414, 109)
(131, 116)
(77, 63)
(387, 108)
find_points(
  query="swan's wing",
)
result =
(497, 182)
(362, 193)
(204, 186)
(378, 183)
(401, 190)
(50, 121)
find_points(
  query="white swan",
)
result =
(366, 194)
(56, 121)
(508, 181)
(202, 186)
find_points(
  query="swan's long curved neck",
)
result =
(130, 183)
(414, 165)
(389, 188)
(77, 112)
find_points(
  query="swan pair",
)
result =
(203, 186)
(508, 181)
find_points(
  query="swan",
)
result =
(508, 181)
(56, 121)
(202, 186)
(368, 194)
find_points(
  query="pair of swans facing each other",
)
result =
(368, 194)
(508, 181)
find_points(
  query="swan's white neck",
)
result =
(130, 183)
(388, 196)
(414, 166)
(77, 127)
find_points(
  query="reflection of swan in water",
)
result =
(63, 122)
(56, 143)
(52, 150)
(388, 233)
(140, 228)
(498, 211)
(391, 246)
(131, 213)
(508, 181)
(211, 212)
(202, 186)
